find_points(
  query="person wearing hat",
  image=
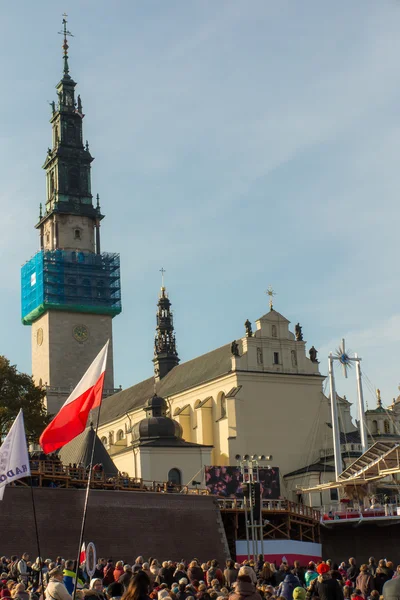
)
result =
(244, 589)
(56, 589)
(365, 582)
(287, 586)
(299, 593)
(327, 588)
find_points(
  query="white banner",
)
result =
(14, 458)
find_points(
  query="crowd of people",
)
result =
(21, 579)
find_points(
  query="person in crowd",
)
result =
(165, 575)
(287, 586)
(390, 568)
(138, 587)
(347, 591)
(108, 573)
(365, 582)
(20, 592)
(327, 588)
(391, 589)
(202, 593)
(230, 573)
(56, 589)
(23, 568)
(154, 568)
(298, 571)
(99, 569)
(119, 570)
(299, 593)
(95, 591)
(214, 572)
(195, 572)
(126, 577)
(381, 575)
(115, 591)
(180, 572)
(352, 571)
(267, 575)
(374, 595)
(372, 566)
(69, 576)
(244, 589)
(356, 595)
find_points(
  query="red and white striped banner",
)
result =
(277, 550)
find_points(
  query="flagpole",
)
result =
(86, 501)
(37, 536)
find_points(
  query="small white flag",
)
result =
(14, 458)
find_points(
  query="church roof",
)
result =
(182, 377)
(273, 315)
(79, 450)
(318, 467)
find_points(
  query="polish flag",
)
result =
(82, 556)
(71, 420)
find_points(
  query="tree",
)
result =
(17, 390)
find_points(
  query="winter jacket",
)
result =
(179, 575)
(309, 576)
(166, 576)
(329, 589)
(56, 590)
(391, 589)
(381, 577)
(118, 573)
(365, 583)
(214, 573)
(108, 574)
(125, 579)
(230, 576)
(352, 573)
(195, 574)
(244, 591)
(287, 586)
(69, 581)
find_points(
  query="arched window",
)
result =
(387, 426)
(375, 428)
(104, 441)
(175, 476)
(120, 435)
(77, 234)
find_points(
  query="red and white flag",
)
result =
(71, 420)
(82, 556)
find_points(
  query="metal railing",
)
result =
(275, 506)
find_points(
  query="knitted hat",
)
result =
(323, 568)
(299, 593)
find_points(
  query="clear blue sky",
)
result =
(237, 144)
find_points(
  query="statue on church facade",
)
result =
(313, 352)
(235, 348)
(298, 332)
(249, 331)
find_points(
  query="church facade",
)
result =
(260, 394)
(70, 289)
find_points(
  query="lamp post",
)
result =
(252, 501)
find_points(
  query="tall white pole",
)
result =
(361, 410)
(335, 421)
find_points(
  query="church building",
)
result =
(70, 288)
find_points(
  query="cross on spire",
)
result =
(65, 32)
(162, 271)
(270, 292)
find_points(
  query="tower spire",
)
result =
(165, 353)
(65, 32)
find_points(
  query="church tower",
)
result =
(165, 354)
(70, 289)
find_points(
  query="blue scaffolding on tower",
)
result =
(70, 281)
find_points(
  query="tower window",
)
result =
(276, 358)
(334, 494)
(387, 426)
(77, 234)
(73, 179)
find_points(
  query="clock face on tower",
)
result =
(80, 333)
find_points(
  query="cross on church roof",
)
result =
(65, 32)
(162, 271)
(270, 292)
